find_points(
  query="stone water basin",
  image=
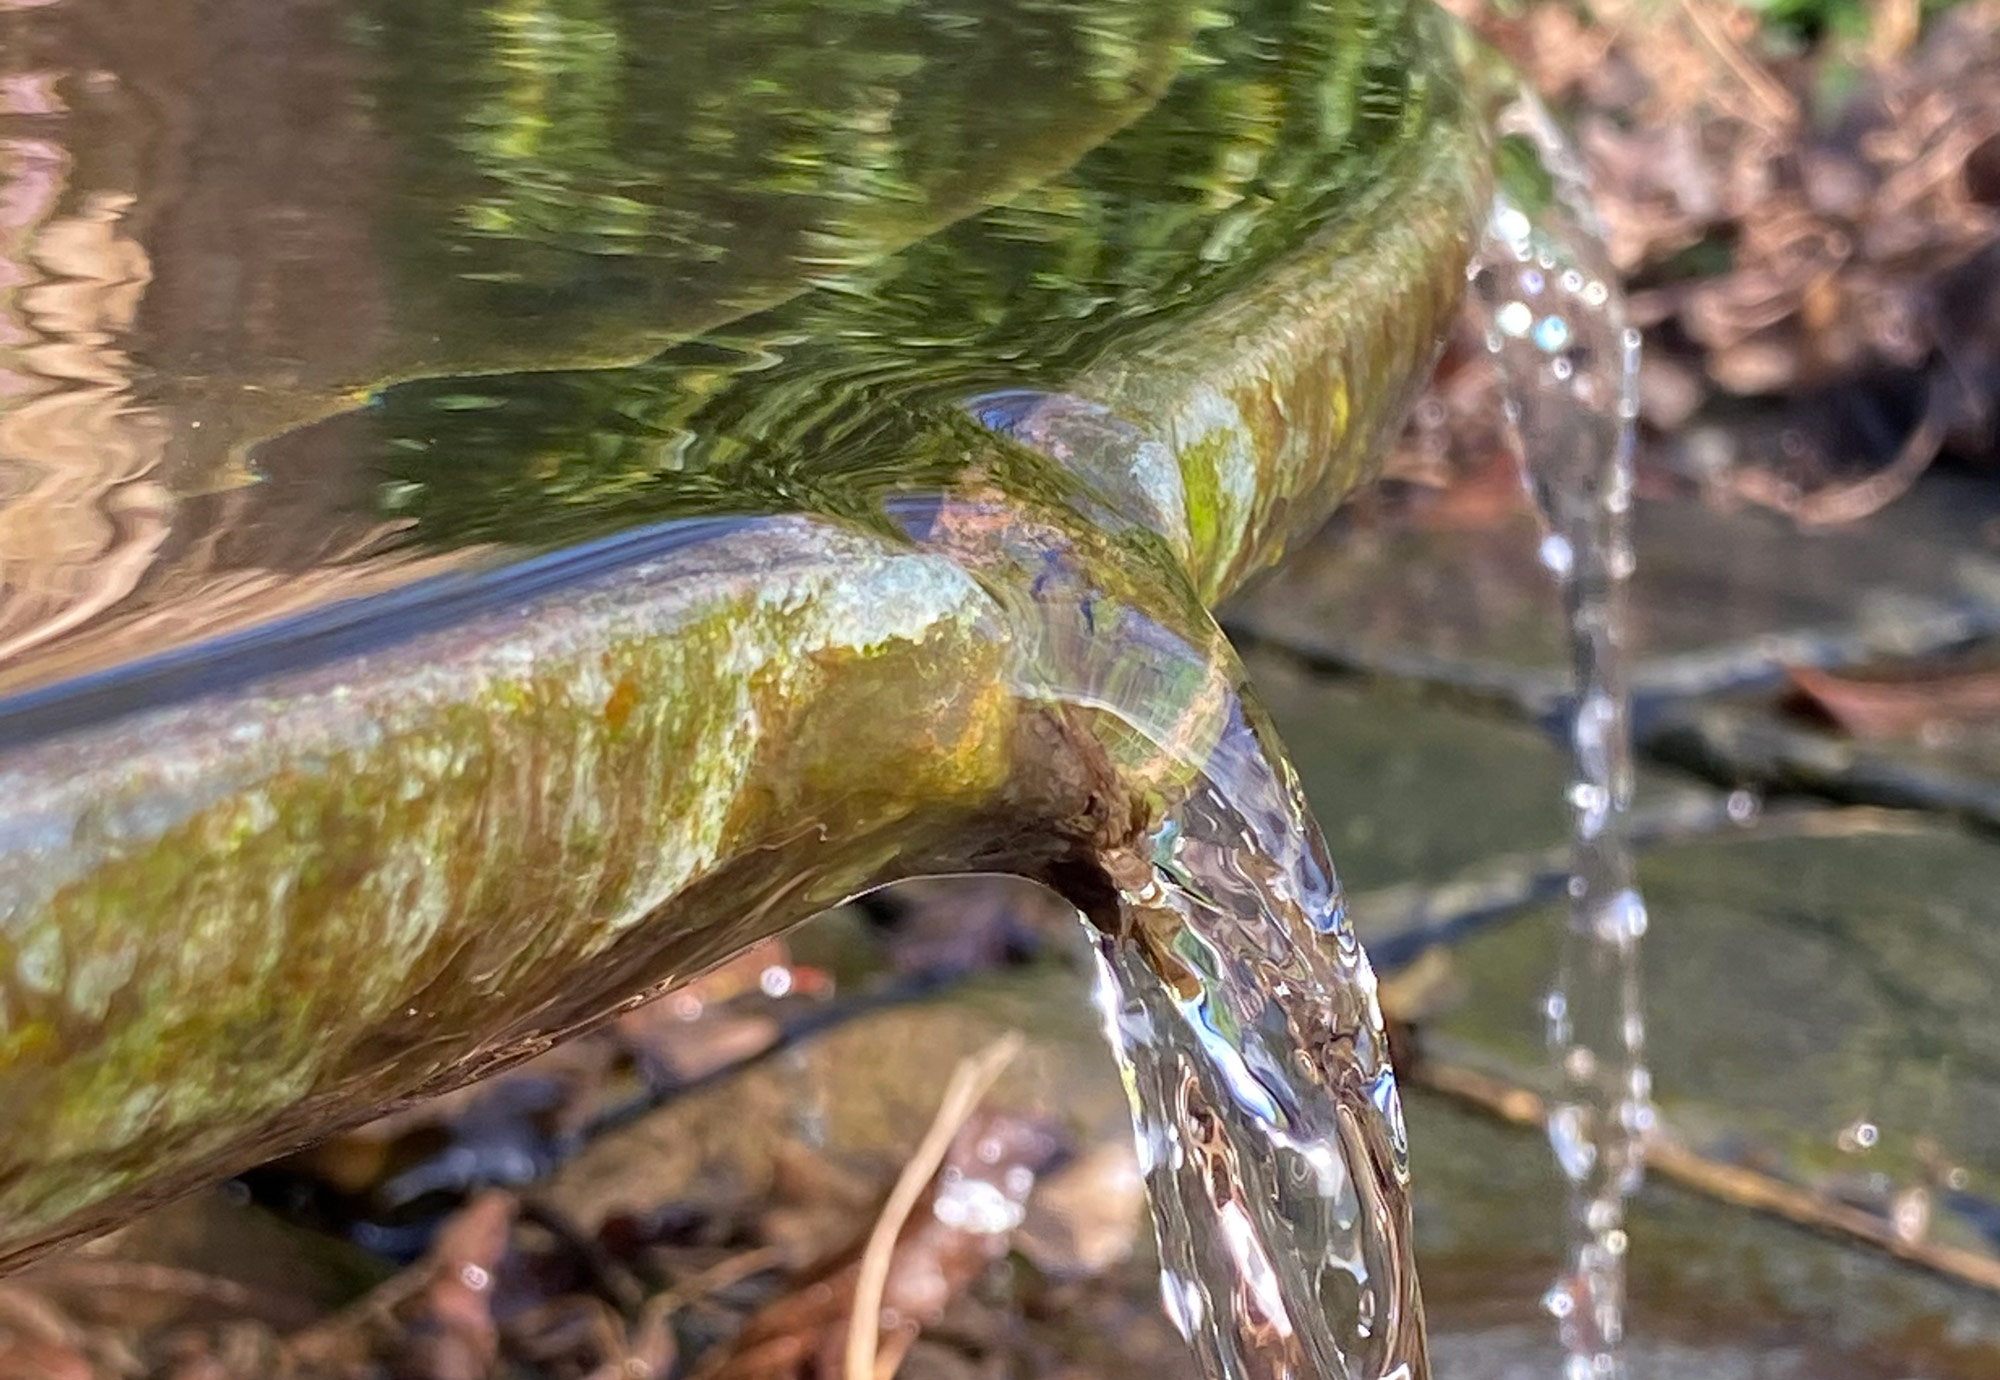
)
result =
(493, 523)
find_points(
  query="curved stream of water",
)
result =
(1235, 995)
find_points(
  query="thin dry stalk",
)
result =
(970, 1082)
(1727, 1183)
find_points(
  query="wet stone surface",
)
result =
(1717, 1293)
(1720, 600)
(1949, 764)
(1821, 1009)
(1405, 788)
(1439, 816)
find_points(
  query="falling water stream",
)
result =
(1239, 1003)
(1268, 1118)
(1569, 364)
(1244, 1016)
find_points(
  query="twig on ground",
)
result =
(1727, 1183)
(970, 1082)
(716, 1278)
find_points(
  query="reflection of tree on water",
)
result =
(227, 219)
(174, 207)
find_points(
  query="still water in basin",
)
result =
(737, 250)
(939, 365)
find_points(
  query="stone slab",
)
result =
(1819, 1007)
(1720, 600)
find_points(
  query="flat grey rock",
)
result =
(1716, 1293)
(1819, 1007)
(1720, 601)
(1439, 816)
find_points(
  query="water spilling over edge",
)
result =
(1244, 1018)
(1268, 1119)
(1235, 996)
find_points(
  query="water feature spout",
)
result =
(264, 885)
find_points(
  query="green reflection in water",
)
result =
(1288, 116)
(609, 173)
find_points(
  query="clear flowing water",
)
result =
(1235, 995)
(1243, 1014)
(1555, 326)
(1268, 1119)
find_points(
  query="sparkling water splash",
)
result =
(1569, 365)
(1235, 996)
(1244, 1017)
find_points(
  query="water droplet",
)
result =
(1551, 334)
(1861, 1136)
(1558, 1302)
(1574, 1151)
(1622, 920)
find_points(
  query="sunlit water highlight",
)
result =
(1268, 1119)
(1555, 325)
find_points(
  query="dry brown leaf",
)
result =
(37, 1341)
(1882, 708)
(29, 1359)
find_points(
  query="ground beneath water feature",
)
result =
(1815, 969)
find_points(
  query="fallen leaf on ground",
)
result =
(1884, 708)
(36, 1341)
